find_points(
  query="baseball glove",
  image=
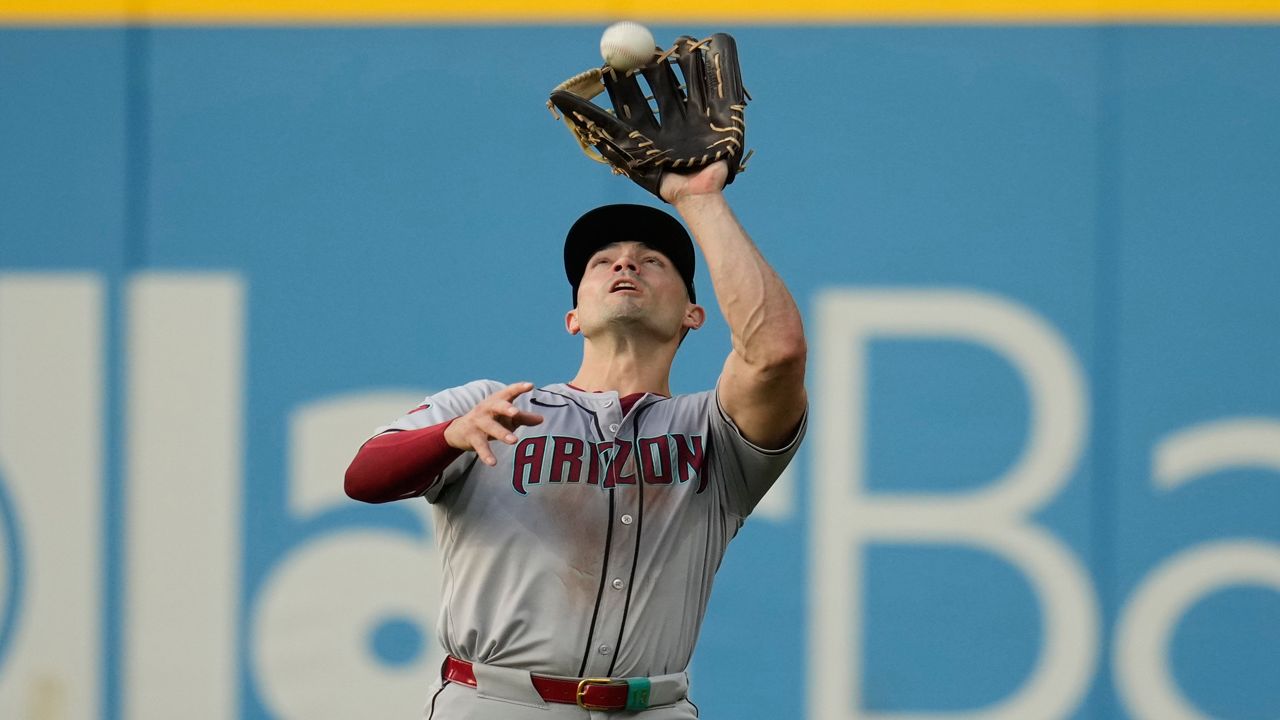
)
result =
(693, 125)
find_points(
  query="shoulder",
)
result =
(469, 394)
(696, 405)
(696, 398)
(485, 387)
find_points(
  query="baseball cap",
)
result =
(609, 224)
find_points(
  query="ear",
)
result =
(571, 322)
(694, 317)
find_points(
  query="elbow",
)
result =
(783, 362)
(788, 355)
(351, 484)
(356, 485)
(795, 353)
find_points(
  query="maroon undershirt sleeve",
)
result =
(399, 465)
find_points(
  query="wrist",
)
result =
(695, 202)
(449, 437)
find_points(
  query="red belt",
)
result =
(589, 693)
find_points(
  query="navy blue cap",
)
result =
(609, 224)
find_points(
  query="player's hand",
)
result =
(495, 418)
(709, 180)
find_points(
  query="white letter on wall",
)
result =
(1147, 622)
(314, 617)
(183, 486)
(994, 518)
(51, 398)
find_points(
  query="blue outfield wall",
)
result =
(1039, 272)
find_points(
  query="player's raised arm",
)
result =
(762, 384)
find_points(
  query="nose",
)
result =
(625, 262)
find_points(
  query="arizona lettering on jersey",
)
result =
(663, 460)
(589, 549)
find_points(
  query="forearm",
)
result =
(399, 465)
(763, 319)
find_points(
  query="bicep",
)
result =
(766, 404)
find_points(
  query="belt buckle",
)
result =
(586, 683)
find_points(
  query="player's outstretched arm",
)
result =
(408, 463)
(762, 384)
(493, 419)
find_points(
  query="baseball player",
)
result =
(581, 523)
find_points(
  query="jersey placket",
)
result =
(620, 475)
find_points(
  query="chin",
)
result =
(624, 323)
(625, 320)
(625, 311)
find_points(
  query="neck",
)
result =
(625, 366)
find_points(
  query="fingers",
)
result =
(495, 418)
(513, 391)
(526, 418)
(511, 415)
(484, 430)
(480, 443)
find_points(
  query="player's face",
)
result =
(631, 284)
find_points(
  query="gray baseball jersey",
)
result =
(589, 549)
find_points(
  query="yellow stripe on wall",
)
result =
(195, 12)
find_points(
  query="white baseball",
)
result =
(626, 46)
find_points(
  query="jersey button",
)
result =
(608, 403)
(613, 427)
(617, 583)
(626, 519)
(604, 649)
